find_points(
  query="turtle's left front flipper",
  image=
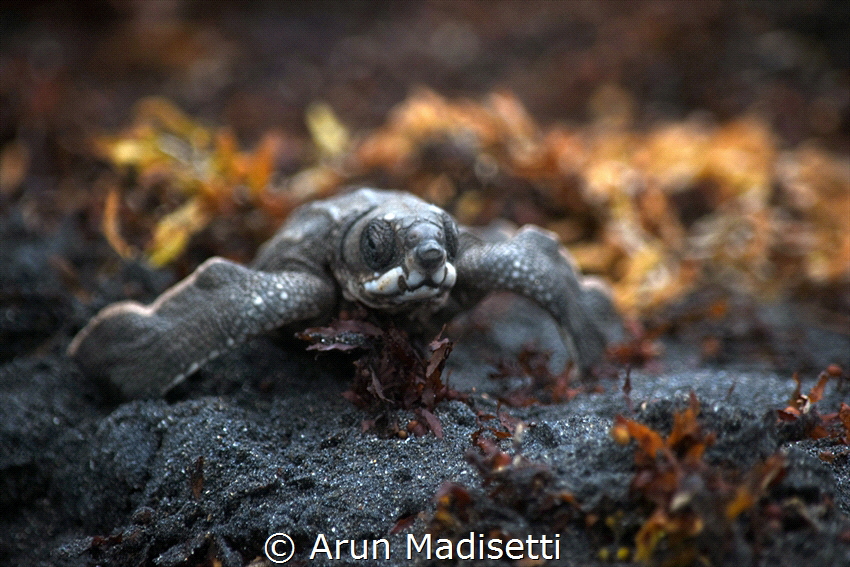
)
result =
(532, 264)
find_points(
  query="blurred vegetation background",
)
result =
(677, 148)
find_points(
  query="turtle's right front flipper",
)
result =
(146, 350)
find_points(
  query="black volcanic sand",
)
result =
(260, 441)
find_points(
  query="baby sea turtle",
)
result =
(387, 250)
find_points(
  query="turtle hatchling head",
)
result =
(400, 255)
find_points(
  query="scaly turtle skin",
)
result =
(387, 250)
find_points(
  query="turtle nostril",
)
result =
(430, 255)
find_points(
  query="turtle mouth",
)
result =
(399, 286)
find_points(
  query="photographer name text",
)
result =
(474, 547)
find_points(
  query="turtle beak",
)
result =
(424, 273)
(430, 255)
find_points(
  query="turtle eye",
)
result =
(450, 230)
(377, 244)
